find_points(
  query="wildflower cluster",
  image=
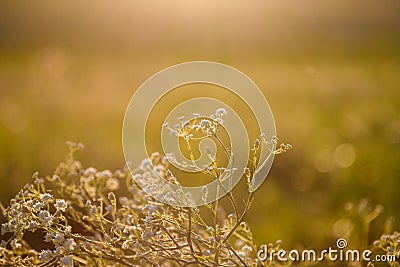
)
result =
(203, 127)
(206, 125)
(101, 218)
(196, 129)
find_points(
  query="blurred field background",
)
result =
(329, 69)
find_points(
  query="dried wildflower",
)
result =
(44, 214)
(90, 171)
(45, 255)
(32, 225)
(69, 244)
(49, 236)
(84, 221)
(104, 174)
(38, 206)
(45, 197)
(204, 123)
(15, 244)
(59, 238)
(60, 204)
(35, 175)
(220, 112)
(146, 163)
(112, 184)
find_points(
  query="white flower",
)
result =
(15, 245)
(48, 236)
(59, 251)
(105, 174)
(45, 197)
(69, 244)
(219, 120)
(32, 225)
(66, 261)
(38, 181)
(44, 214)
(11, 225)
(124, 200)
(90, 171)
(112, 184)
(38, 206)
(4, 228)
(48, 221)
(45, 255)
(220, 112)
(60, 204)
(59, 238)
(204, 123)
(93, 209)
(146, 163)
(68, 230)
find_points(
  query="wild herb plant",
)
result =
(87, 218)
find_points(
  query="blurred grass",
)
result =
(329, 71)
